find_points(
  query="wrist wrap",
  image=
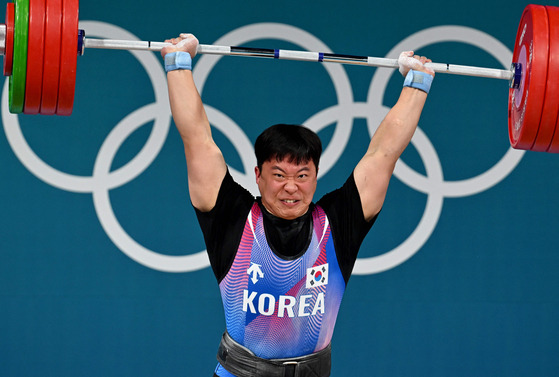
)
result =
(418, 80)
(178, 60)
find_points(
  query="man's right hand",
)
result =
(184, 42)
(408, 61)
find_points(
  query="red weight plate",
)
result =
(51, 66)
(553, 14)
(551, 102)
(68, 57)
(9, 51)
(526, 102)
(554, 147)
(35, 48)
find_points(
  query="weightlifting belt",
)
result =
(242, 362)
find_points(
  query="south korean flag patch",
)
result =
(317, 276)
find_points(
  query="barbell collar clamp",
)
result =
(516, 69)
(2, 39)
(81, 42)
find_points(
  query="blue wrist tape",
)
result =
(418, 80)
(178, 60)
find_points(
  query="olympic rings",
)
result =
(342, 114)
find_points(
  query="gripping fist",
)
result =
(184, 42)
(408, 60)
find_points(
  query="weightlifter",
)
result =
(282, 262)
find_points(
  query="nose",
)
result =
(290, 186)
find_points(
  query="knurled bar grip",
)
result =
(114, 44)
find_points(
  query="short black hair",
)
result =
(296, 142)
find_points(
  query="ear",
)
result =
(257, 174)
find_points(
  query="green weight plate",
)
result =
(19, 69)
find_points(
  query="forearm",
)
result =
(396, 130)
(203, 157)
(187, 107)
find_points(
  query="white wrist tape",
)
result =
(419, 80)
(178, 60)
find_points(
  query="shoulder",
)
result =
(349, 226)
(230, 195)
(222, 226)
(341, 196)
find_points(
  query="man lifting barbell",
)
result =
(281, 261)
(279, 323)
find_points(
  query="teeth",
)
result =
(289, 201)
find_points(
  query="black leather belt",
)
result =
(242, 362)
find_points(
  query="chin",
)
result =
(293, 214)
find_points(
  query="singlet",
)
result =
(280, 307)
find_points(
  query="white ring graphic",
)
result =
(343, 113)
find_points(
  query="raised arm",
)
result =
(205, 164)
(372, 174)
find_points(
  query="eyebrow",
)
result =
(276, 167)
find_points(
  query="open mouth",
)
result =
(290, 201)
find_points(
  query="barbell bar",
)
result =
(42, 67)
(300, 56)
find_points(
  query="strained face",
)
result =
(287, 188)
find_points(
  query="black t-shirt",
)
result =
(223, 226)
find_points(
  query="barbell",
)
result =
(41, 41)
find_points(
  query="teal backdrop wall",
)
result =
(102, 264)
